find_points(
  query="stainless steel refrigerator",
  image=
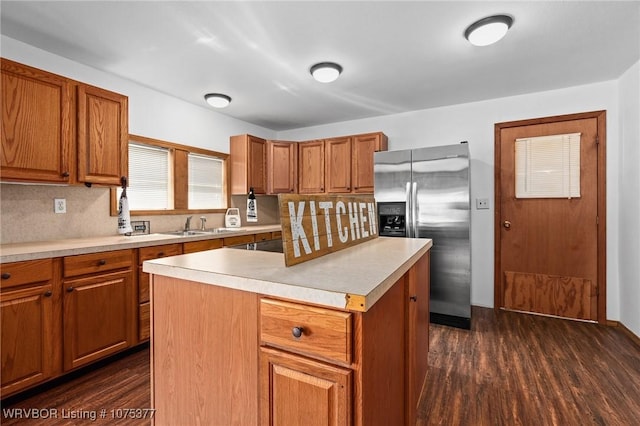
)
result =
(424, 193)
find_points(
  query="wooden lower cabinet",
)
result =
(298, 391)
(31, 349)
(225, 356)
(98, 317)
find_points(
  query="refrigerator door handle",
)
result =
(414, 208)
(408, 210)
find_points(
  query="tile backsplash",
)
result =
(26, 213)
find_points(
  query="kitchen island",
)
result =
(240, 339)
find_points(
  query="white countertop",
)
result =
(17, 252)
(363, 272)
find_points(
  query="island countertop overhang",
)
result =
(352, 279)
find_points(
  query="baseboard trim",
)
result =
(625, 330)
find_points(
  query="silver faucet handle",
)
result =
(203, 220)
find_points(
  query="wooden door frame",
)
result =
(600, 116)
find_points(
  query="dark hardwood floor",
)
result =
(510, 369)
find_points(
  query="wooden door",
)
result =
(363, 147)
(103, 134)
(311, 167)
(282, 167)
(298, 391)
(338, 165)
(37, 132)
(28, 335)
(550, 252)
(99, 312)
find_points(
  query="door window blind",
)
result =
(206, 179)
(548, 166)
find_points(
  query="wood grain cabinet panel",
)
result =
(248, 157)
(298, 391)
(195, 246)
(30, 346)
(99, 317)
(103, 136)
(362, 160)
(37, 136)
(311, 170)
(57, 130)
(282, 167)
(338, 165)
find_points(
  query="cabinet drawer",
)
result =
(144, 321)
(326, 333)
(97, 262)
(155, 252)
(195, 246)
(263, 236)
(240, 239)
(276, 234)
(27, 272)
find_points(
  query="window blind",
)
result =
(149, 180)
(206, 179)
(548, 166)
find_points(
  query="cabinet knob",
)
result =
(161, 254)
(297, 332)
(65, 174)
(102, 262)
(413, 298)
(6, 275)
(48, 293)
(70, 289)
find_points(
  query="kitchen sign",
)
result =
(315, 225)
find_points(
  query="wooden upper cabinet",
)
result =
(282, 167)
(338, 164)
(363, 147)
(37, 132)
(103, 133)
(248, 156)
(57, 130)
(311, 159)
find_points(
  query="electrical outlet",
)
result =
(482, 203)
(59, 205)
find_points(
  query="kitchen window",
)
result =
(168, 178)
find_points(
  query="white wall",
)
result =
(474, 122)
(629, 214)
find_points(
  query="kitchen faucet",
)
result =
(203, 220)
(187, 224)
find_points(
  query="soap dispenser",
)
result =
(252, 207)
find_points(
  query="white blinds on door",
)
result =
(548, 166)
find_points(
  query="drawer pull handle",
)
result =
(70, 289)
(297, 332)
(6, 275)
(161, 254)
(48, 293)
(102, 262)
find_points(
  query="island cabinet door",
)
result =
(298, 391)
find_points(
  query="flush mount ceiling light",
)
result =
(488, 30)
(326, 72)
(217, 100)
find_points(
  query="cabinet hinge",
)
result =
(597, 140)
(597, 220)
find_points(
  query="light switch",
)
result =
(482, 203)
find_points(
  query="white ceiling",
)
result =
(397, 56)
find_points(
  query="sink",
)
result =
(193, 232)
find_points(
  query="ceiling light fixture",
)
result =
(488, 30)
(217, 100)
(325, 72)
